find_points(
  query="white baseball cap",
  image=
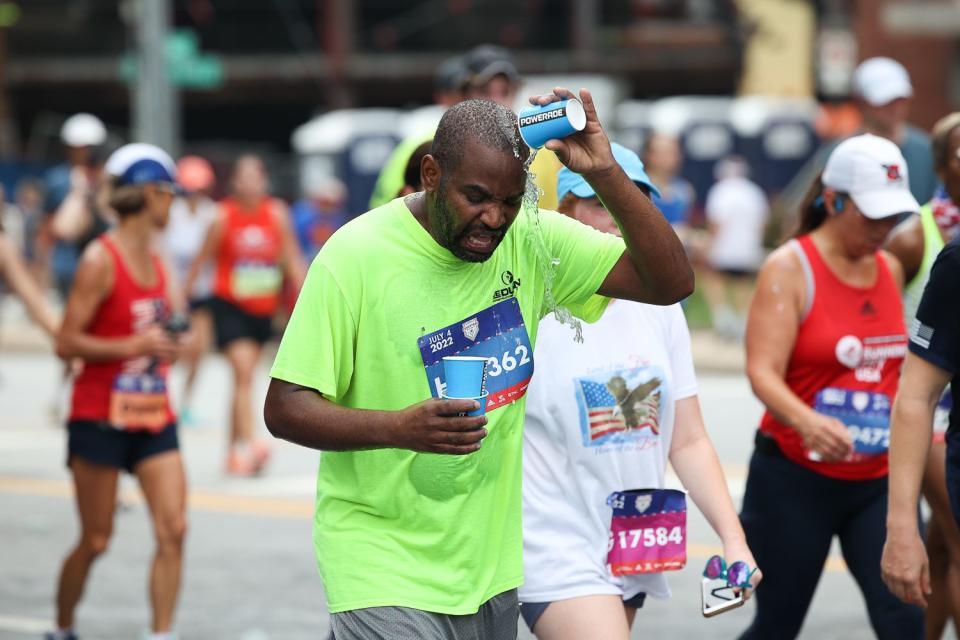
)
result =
(83, 130)
(880, 81)
(873, 172)
(139, 163)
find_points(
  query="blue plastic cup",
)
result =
(476, 412)
(553, 121)
(466, 376)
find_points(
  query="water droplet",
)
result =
(548, 263)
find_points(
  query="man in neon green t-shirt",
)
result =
(417, 524)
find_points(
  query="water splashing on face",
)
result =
(548, 264)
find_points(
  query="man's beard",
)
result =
(442, 219)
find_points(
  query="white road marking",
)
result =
(23, 624)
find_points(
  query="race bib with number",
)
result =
(648, 531)
(255, 279)
(138, 401)
(866, 414)
(496, 333)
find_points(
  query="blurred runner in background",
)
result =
(319, 214)
(252, 246)
(71, 195)
(29, 200)
(117, 321)
(191, 215)
(737, 212)
(663, 159)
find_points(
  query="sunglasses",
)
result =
(737, 575)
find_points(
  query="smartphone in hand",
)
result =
(715, 600)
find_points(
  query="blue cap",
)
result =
(570, 182)
(138, 164)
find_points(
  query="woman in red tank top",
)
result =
(118, 321)
(253, 247)
(825, 340)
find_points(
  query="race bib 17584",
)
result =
(496, 333)
(648, 531)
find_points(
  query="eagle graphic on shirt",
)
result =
(630, 403)
(622, 406)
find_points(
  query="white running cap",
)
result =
(880, 81)
(83, 130)
(873, 172)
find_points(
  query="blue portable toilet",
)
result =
(350, 144)
(703, 127)
(631, 125)
(776, 136)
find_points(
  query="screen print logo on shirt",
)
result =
(621, 407)
(868, 357)
(496, 333)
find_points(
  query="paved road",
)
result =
(250, 573)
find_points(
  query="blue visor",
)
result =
(570, 182)
(147, 171)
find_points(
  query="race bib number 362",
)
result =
(496, 333)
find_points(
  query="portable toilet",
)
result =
(632, 123)
(776, 136)
(706, 136)
(351, 144)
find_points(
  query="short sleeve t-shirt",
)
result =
(935, 332)
(397, 528)
(581, 443)
(738, 210)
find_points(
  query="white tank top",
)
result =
(184, 237)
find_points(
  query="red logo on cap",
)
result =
(893, 172)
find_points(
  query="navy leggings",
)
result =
(790, 515)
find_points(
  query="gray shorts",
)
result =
(496, 620)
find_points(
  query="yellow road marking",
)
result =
(204, 501)
(269, 507)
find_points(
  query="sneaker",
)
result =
(260, 454)
(60, 635)
(248, 461)
(187, 419)
(240, 465)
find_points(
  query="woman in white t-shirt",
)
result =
(604, 416)
(737, 213)
(190, 217)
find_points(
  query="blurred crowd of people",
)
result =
(726, 229)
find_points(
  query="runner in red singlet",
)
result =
(825, 340)
(120, 416)
(253, 248)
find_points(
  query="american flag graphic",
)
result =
(605, 416)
